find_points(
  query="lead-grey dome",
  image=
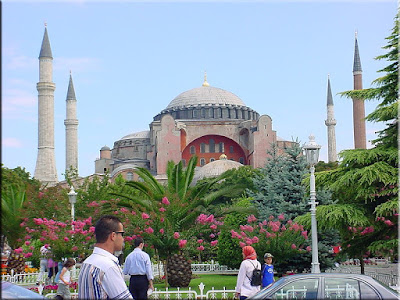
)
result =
(137, 135)
(205, 95)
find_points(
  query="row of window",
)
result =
(210, 148)
(203, 161)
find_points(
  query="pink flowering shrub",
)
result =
(282, 239)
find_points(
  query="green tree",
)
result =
(279, 188)
(365, 183)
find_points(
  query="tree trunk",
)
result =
(165, 262)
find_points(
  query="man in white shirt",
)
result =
(138, 265)
(101, 275)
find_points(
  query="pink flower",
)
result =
(212, 235)
(281, 217)
(255, 240)
(27, 243)
(66, 239)
(241, 244)
(128, 238)
(389, 223)
(29, 254)
(251, 219)
(74, 248)
(40, 195)
(162, 230)
(293, 246)
(271, 217)
(19, 250)
(149, 230)
(41, 239)
(304, 234)
(213, 243)
(176, 235)
(165, 201)
(162, 220)
(162, 209)
(124, 210)
(88, 238)
(182, 243)
(308, 248)
(213, 227)
(210, 218)
(201, 248)
(200, 241)
(145, 216)
(38, 221)
(27, 237)
(283, 228)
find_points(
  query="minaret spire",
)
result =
(330, 122)
(45, 170)
(71, 129)
(360, 141)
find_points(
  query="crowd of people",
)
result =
(101, 276)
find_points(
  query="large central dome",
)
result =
(205, 95)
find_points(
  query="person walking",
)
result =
(138, 265)
(44, 253)
(101, 276)
(244, 289)
(64, 282)
(267, 270)
(52, 266)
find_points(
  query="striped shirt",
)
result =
(101, 277)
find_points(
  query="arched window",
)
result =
(221, 147)
(231, 149)
(202, 148)
(192, 150)
(184, 162)
(202, 161)
(212, 159)
(129, 176)
(241, 160)
(212, 146)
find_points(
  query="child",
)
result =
(65, 279)
(267, 270)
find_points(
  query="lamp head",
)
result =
(312, 151)
(72, 195)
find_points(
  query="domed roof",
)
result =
(105, 148)
(205, 95)
(216, 168)
(137, 135)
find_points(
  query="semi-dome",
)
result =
(137, 135)
(215, 168)
(205, 95)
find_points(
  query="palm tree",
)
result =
(186, 203)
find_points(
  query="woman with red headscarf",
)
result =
(243, 287)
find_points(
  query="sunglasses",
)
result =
(120, 232)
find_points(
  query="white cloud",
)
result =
(11, 143)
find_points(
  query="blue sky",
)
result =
(129, 59)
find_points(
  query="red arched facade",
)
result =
(210, 147)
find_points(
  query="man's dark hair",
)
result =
(138, 241)
(104, 226)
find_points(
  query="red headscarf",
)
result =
(249, 252)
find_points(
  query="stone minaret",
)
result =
(71, 130)
(45, 170)
(330, 123)
(358, 104)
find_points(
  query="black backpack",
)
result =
(255, 279)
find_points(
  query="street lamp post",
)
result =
(312, 153)
(72, 199)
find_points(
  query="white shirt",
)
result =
(101, 277)
(138, 263)
(243, 285)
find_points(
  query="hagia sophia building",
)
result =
(205, 121)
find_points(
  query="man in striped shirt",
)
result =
(101, 276)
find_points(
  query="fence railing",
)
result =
(389, 279)
(158, 269)
(180, 294)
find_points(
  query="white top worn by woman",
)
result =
(243, 285)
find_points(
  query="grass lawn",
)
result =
(217, 281)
